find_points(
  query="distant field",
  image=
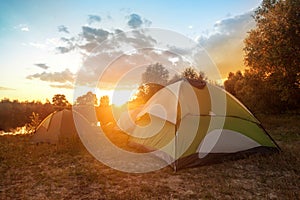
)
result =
(29, 171)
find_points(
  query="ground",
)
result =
(29, 171)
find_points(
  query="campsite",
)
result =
(149, 100)
(57, 164)
(48, 171)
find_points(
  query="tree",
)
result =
(34, 123)
(88, 99)
(104, 112)
(104, 101)
(146, 91)
(232, 81)
(154, 78)
(155, 73)
(272, 49)
(253, 92)
(191, 73)
(14, 114)
(60, 101)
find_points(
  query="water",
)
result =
(17, 131)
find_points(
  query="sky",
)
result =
(44, 45)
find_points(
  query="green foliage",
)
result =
(60, 101)
(15, 114)
(255, 93)
(88, 99)
(191, 73)
(154, 78)
(34, 122)
(272, 53)
(155, 73)
(146, 91)
(232, 80)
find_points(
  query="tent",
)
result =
(57, 127)
(88, 112)
(188, 124)
(126, 119)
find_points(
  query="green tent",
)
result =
(58, 127)
(188, 124)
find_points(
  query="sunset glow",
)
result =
(117, 97)
(41, 55)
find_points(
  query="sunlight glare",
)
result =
(120, 97)
(117, 97)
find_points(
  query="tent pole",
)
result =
(175, 156)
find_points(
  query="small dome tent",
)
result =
(189, 125)
(57, 127)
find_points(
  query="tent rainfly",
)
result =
(189, 124)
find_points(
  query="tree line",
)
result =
(271, 81)
(14, 113)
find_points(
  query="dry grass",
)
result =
(45, 171)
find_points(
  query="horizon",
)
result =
(42, 52)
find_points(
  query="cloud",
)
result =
(135, 21)
(37, 45)
(117, 31)
(108, 17)
(63, 28)
(64, 49)
(23, 27)
(147, 22)
(90, 38)
(93, 18)
(63, 86)
(58, 77)
(6, 88)
(225, 43)
(42, 65)
(66, 45)
(87, 40)
(94, 34)
(48, 44)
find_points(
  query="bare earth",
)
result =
(29, 171)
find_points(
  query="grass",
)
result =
(29, 171)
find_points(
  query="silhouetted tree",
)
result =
(33, 124)
(104, 112)
(104, 101)
(60, 101)
(272, 50)
(253, 92)
(232, 81)
(155, 73)
(88, 99)
(15, 114)
(153, 79)
(191, 73)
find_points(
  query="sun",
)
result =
(120, 97)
